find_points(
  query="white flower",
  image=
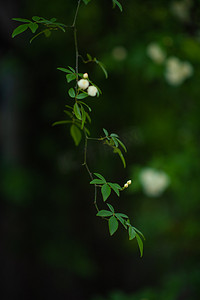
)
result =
(92, 91)
(85, 75)
(83, 84)
(125, 185)
(156, 53)
(129, 182)
(153, 182)
(177, 71)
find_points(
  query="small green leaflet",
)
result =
(82, 95)
(106, 191)
(76, 134)
(104, 213)
(20, 29)
(119, 152)
(113, 225)
(100, 176)
(64, 70)
(61, 123)
(33, 27)
(140, 244)
(115, 187)
(86, 1)
(77, 110)
(111, 207)
(72, 93)
(70, 77)
(96, 181)
(83, 116)
(115, 2)
(105, 131)
(21, 20)
(131, 232)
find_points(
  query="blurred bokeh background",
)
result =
(52, 245)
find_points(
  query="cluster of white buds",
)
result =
(83, 84)
(127, 184)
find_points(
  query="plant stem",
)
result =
(86, 137)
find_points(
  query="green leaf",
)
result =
(115, 141)
(35, 18)
(105, 190)
(72, 69)
(53, 20)
(88, 117)
(68, 106)
(115, 2)
(96, 181)
(33, 27)
(113, 225)
(77, 111)
(89, 56)
(140, 244)
(64, 70)
(119, 152)
(105, 131)
(101, 65)
(83, 116)
(104, 213)
(86, 1)
(122, 215)
(111, 207)
(61, 122)
(114, 134)
(70, 77)
(85, 104)
(76, 134)
(21, 20)
(100, 176)
(115, 189)
(72, 93)
(19, 29)
(138, 231)
(131, 232)
(47, 33)
(122, 144)
(122, 221)
(82, 96)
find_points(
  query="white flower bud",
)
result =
(129, 182)
(125, 185)
(83, 84)
(92, 91)
(85, 75)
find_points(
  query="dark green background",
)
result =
(52, 244)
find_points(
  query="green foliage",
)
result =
(95, 60)
(115, 2)
(79, 117)
(33, 25)
(113, 141)
(86, 1)
(76, 134)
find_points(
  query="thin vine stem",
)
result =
(86, 137)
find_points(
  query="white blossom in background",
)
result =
(119, 53)
(153, 182)
(83, 84)
(177, 71)
(155, 52)
(92, 91)
(181, 9)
